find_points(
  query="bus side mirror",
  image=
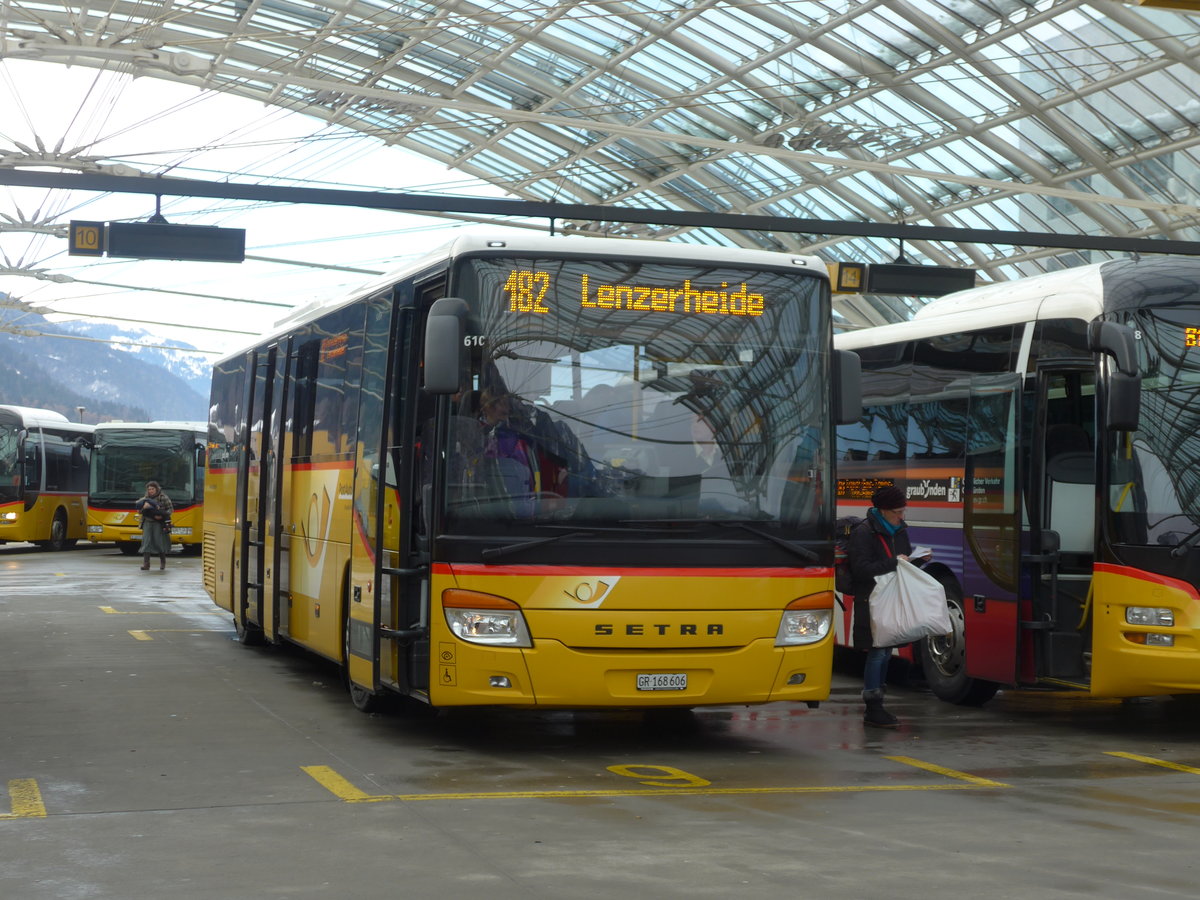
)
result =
(1115, 340)
(847, 387)
(201, 457)
(1123, 389)
(445, 345)
(1123, 401)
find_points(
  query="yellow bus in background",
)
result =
(125, 455)
(43, 477)
(542, 472)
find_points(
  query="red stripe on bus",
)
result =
(1152, 577)
(482, 569)
(313, 466)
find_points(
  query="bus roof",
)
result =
(47, 418)
(1075, 293)
(159, 425)
(468, 242)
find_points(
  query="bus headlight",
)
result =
(1150, 615)
(184, 531)
(95, 529)
(8, 517)
(801, 624)
(485, 619)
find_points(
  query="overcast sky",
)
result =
(161, 127)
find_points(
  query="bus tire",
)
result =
(248, 633)
(944, 660)
(128, 548)
(363, 699)
(58, 533)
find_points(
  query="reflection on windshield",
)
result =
(1156, 474)
(123, 461)
(573, 419)
(10, 470)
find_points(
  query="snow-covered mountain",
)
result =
(112, 372)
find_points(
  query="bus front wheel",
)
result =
(58, 534)
(944, 660)
(363, 699)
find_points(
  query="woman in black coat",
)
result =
(873, 549)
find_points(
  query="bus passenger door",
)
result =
(378, 639)
(274, 487)
(992, 506)
(1063, 481)
(252, 605)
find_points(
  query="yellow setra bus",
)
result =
(43, 477)
(541, 472)
(125, 455)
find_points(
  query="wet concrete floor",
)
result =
(144, 753)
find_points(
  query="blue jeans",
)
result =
(875, 670)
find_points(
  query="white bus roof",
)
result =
(159, 425)
(1070, 294)
(46, 418)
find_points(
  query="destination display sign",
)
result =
(535, 290)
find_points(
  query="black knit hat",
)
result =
(889, 498)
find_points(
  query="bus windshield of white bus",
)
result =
(123, 460)
(614, 393)
(1155, 485)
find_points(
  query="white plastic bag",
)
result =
(907, 605)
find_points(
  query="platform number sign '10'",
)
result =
(527, 291)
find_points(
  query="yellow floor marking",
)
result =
(339, 786)
(135, 612)
(344, 790)
(949, 773)
(1191, 770)
(26, 800)
(143, 634)
(160, 612)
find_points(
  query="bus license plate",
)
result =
(662, 682)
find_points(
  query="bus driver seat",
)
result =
(1071, 487)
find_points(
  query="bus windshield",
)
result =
(625, 393)
(1156, 476)
(123, 460)
(10, 459)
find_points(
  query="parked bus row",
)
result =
(580, 473)
(62, 481)
(591, 473)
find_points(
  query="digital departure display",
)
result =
(530, 291)
(1191, 337)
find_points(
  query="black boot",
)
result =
(145, 562)
(876, 715)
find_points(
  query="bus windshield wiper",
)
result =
(492, 553)
(1185, 545)
(797, 549)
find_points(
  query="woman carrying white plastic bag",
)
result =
(907, 605)
(875, 549)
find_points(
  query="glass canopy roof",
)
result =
(1066, 116)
